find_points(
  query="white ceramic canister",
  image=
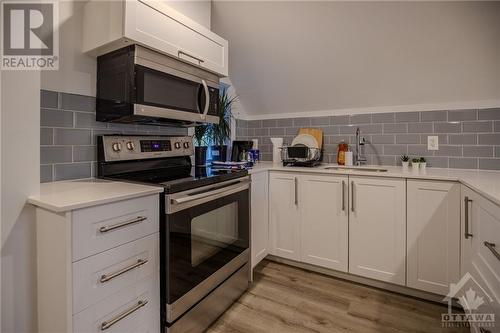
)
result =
(277, 145)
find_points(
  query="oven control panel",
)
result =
(133, 147)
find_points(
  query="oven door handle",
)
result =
(218, 193)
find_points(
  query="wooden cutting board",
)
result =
(316, 132)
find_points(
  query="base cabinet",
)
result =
(377, 228)
(284, 215)
(260, 217)
(324, 221)
(480, 244)
(433, 249)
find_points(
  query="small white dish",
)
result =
(306, 140)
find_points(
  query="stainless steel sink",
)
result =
(355, 168)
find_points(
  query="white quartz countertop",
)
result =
(64, 196)
(486, 183)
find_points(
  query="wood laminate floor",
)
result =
(288, 299)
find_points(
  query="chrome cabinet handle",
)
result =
(107, 228)
(107, 277)
(343, 199)
(107, 324)
(191, 56)
(491, 247)
(218, 193)
(467, 234)
(207, 99)
(296, 191)
(352, 196)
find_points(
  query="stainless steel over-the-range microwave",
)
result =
(138, 85)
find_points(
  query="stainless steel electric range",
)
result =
(204, 225)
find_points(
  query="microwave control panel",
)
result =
(120, 147)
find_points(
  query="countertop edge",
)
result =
(36, 201)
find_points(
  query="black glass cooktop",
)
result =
(181, 181)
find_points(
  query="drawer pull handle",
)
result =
(467, 234)
(107, 228)
(107, 277)
(491, 247)
(107, 324)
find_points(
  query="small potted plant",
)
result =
(221, 132)
(200, 150)
(415, 163)
(423, 163)
(405, 161)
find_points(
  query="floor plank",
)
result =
(288, 299)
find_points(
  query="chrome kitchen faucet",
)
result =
(360, 142)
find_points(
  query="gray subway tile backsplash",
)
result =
(72, 171)
(434, 116)
(49, 99)
(461, 115)
(46, 173)
(463, 163)
(407, 117)
(458, 131)
(489, 114)
(77, 102)
(71, 136)
(489, 163)
(467, 138)
(68, 135)
(447, 127)
(56, 118)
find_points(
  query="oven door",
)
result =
(160, 94)
(207, 240)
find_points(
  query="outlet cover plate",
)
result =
(432, 142)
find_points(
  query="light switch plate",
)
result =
(432, 142)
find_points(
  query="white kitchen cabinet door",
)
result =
(324, 221)
(110, 25)
(481, 248)
(284, 215)
(377, 228)
(433, 235)
(260, 217)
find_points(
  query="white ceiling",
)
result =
(292, 56)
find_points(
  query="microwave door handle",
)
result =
(207, 99)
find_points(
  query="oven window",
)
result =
(212, 232)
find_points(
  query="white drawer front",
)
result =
(121, 305)
(104, 274)
(97, 229)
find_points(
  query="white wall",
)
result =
(294, 57)
(20, 177)
(77, 71)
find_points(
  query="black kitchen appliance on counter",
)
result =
(239, 147)
(204, 225)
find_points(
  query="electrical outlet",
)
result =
(432, 143)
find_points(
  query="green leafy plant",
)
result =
(415, 160)
(422, 160)
(221, 132)
(404, 158)
(200, 135)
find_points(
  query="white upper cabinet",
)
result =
(433, 249)
(110, 25)
(260, 217)
(284, 215)
(324, 221)
(377, 228)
